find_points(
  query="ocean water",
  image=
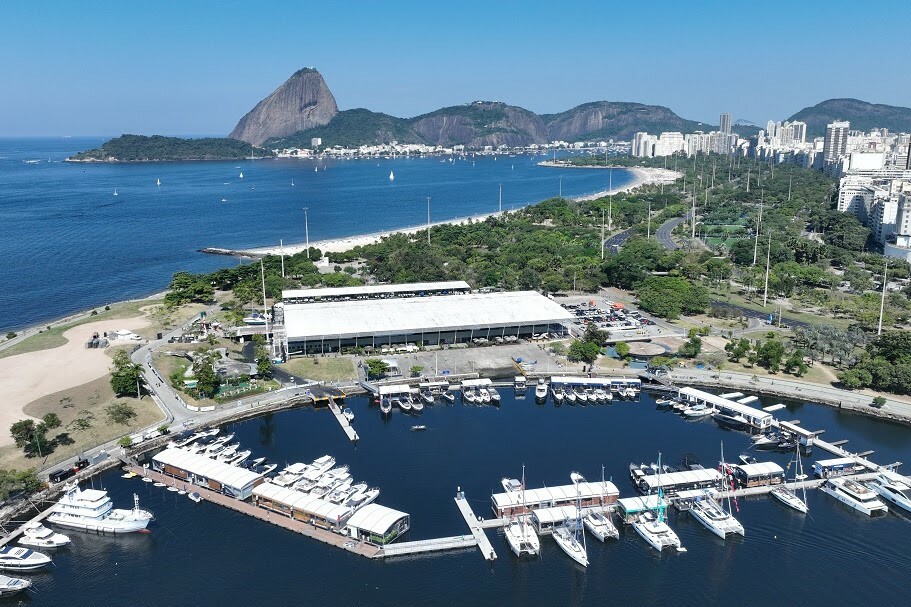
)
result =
(69, 244)
(202, 554)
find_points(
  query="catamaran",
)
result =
(788, 496)
(520, 534)
(570, 536)
(598, 523)
(653, 529)
(711, 514)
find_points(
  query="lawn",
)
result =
(333, 369)
(84, 421)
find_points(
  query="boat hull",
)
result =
(874, 510)
(572, 549)
(790, 500)
(130, 525)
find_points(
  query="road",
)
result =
(751, 314)
(617, 240)
(664, 233)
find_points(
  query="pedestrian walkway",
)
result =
(477, 530)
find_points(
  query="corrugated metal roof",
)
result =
(366, 317)
(303, 502)
(200, 465)
(375, 519)
(413, 287)
(680, 478)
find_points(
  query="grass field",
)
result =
(322, 369)
(87, 403)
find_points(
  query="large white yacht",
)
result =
(37, 535)
(541, 390)
(92, 510)
(715, 518)
(856, 495)
(519, 533)
(600, 525)
(893, 490)
(22, 559)
(653, 529)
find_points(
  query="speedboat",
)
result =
(557, 395)
(697, 411)
(715, 518)
(416, 405)
(37, 535)
(362, 497)
(259, 461)
(570, 396)
(541, 390)
(748, 459)
(592, 397)
(581, 396)
(239, 458)
(10, 586)
(228, 452)
(22, 559)
(385, 406)
(93, 510)
(656, 532)
(484, 394)
(405, 403)
(427, 397)
(893, 491)
(418, 428)
(291, 474)
(856, 495)
(494, 396)
(449, 397)
(349, 414)
(600, 526)
(601, 395)
(765, 442)
(663, 404)
(468, 395)
(733, 422)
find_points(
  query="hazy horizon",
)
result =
(173, 69)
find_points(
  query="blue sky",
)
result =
(104, 68)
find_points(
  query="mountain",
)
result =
(615, 120)
(351, 128)
(862, 115)
(139, 148)
(304, 101)
(480, 124)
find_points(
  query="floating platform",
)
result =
(342, 421)
(477, 530)
(439, 544)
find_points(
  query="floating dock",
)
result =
(424, 546)
(342, 420)
(476, 528)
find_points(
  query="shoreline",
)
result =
(641, 176)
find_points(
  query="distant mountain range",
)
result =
(303, 107)
(862, 115)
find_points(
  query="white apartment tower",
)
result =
(725, 123)
(836, 141)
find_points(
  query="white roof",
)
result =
(684, 477)
(792, 427)
(414, 287)
(394, 389)
(406, 315)
(760, 469)
(200, 465)
(375, 519)
(549, 516)
(593, 381)
(476, 383)
(838, 461)
(303, 502)
(546, 495)
(632, 505)
(718, 401)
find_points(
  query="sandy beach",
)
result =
(642, 176)
(27, 377)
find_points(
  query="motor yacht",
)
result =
(22, 559)
(93, 510)
(856, 495)
(541, 390)
(893, 490)
(37, 535)
(10, 586)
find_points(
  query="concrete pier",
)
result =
(477, 529)
(434, 545)
(342, 420)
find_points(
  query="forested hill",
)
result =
(139, 148)
(863, 116)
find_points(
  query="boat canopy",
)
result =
(483, 382)
(376, 519)
(238, 480)
(304, 503)
(553, 516)
(394, 390)
(636, 505)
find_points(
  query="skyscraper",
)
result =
(836, 141)
(725, 123)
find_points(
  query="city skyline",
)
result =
(173, 69)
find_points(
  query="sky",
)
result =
(195, 68)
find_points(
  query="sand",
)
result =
(642, 176)
(27, 377)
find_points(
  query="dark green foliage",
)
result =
(376, 368)
(186, 288)
(125, 375)
(120, 413)
(133, 148)
(583, 351)
(863, 116)
(691, 348)
(16, 481)
(207, 380)
(351, 128)
(671, 296)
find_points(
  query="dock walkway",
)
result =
(307, 529)
(10, 538)
(476, 528)
(342, 420)
(433, 545)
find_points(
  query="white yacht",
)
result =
(484, 395)
(854, 494)
(600, 525)
(715, 518)
(788, 496)
(494, 395)
(417, 405)
(698, 410)
(22, 559)
(557, 395)
(519, 533)
(581, 396)
(361, 498)
(405, 403)
(10, 586)
(567, 539)
(468, 395)
(653, 529)
(601, 395)
(290, 475)
(893, 490)
(37, 535)
(541, 390)
(93, 510)
(349, 414)
(385, 406)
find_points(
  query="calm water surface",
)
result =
(69, 244)
(202, 554)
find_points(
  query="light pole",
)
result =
(561, 186)
(428, 221)
(501, 199)
(307, 231)
(882, 300)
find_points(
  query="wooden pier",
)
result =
(318, 533)
(342, 420)
(476, 528)
(434, 545)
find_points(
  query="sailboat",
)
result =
(115, 192)
(653, 529)
(712, 515)
(521, 536)
(391, 176)
(158, 182)
(241, 174)
(598, 523)
(787, 495)
(292, 183)
(570, 536)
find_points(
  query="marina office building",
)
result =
(206, 472)
(422, 313)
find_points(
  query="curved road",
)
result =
(664, 233)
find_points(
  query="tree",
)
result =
(120, 413)
(583, 351)
(771, 354)
(622, 349)
(878, 402)
(416, 370)
(795, 363)
(594, 335)
(737, 349)
(671, 296)
(691, 348)
(50, 421)
(125, 375)
(207, 380)
(376, 368)
(23, 431)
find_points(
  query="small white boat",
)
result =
(239, 458)
(115, 192)
(494, 396)
(241, 175)
(715, 518)
(418, 428)
(259, 461)
(427, 397)
(37, 535)
(893, 491)
(194, 496)
(557, 395)
(10, 586)
(600, 395)
(855, 495)
(391, 176)
(349, 414)
(416, 405)
(568, 541)
(484, 395)
(385, 406)
(600, 526)
(22, 559)
(468, 395)
(570, 395)
(580, 394)
(158, 182)
(697, 411)
(449, 397)
(541, 390)
(405, 403)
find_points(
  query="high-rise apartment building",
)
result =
(836, 141)
(725, 123)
